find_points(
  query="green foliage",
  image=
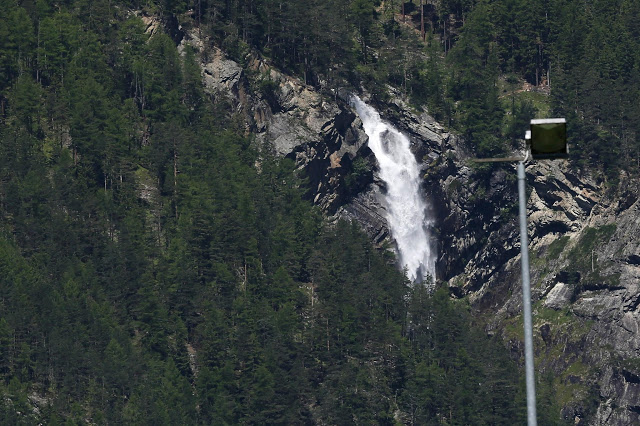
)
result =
(267, 88)
(581, 254)
(17, 42)
(25, 101)
(585, 54)
(522, 112)
(557, 247)
(158, 267)
(460, 374)
(58, 41)
(361, 174)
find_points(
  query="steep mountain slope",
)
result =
(158, 263)
(584, 247)
(583, 240)
(583, 230)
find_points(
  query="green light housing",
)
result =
(549, 138)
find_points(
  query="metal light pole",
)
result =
(526, 285)
(526, 299)
(547, 139)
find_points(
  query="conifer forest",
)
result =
(160, 266)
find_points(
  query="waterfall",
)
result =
(406, 209)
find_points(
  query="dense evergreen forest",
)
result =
(465, 60)
(157, 266)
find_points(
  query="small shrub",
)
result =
(557, 247)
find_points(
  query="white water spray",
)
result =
(406, 209)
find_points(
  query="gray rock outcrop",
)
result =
(584, 243)
(321, 134)
(585, 266)
(367, 210)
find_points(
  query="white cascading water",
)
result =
(406, 209)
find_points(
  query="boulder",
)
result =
(559, 296)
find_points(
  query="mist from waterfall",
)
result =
(406, 209)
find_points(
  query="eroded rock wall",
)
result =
(584, 242)
(585, 266)
(319, 132)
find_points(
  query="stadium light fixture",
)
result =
(549, 139)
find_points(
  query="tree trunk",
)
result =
(175, 179)
(444, 35)
(422, 19)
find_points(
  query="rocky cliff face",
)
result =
(321, 135)
(584, 245)
(585, 267)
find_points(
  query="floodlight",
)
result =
(549, 138)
